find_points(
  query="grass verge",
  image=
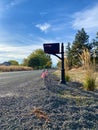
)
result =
(14, 68)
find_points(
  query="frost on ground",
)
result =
(48, 105)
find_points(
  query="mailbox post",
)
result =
(62, 69)
(53, 48)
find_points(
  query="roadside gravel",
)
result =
(68, 107)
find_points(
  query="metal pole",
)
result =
(62, 70)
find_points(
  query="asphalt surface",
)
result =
(12, 82)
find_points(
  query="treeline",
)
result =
(76, 48)
(38, 59)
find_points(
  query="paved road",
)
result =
(13, 82)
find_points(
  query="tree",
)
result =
(95, 48)
(80, 43)
(59, 64)
(97, 35)
(38, 59)
(96, 44)
(69, 54)
(25, 62)
(13, 62)
(34, 62)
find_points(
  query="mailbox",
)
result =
(51, 48)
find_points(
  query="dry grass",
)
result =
(40, 114)
(14, 68)
(90, 77)
(78, 75)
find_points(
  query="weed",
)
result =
(89, 83)
(90, 78)
(67, 76)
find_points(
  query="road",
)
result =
(11, 83)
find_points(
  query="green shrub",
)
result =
(89, 83)
(67, 78)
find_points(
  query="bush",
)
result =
(89, 83)
(67, 78)
(90, 79)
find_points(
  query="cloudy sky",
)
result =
(26, 24)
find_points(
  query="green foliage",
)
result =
(59, 64)
(67, 77)
(81, 38)
(95, 47)
(80, 43)
(89, 83)
(69, 55)
(25, 62)
(97, 35)
(38, 60)
(34, 62)
(13, 62)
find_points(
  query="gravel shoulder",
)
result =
(48, 105)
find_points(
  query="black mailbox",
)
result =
(51, 48)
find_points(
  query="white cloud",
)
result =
(19, 52)
(18, 47)
(43, 27)
(9, 52)
(87, 19)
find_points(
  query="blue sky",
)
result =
(26, 24)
